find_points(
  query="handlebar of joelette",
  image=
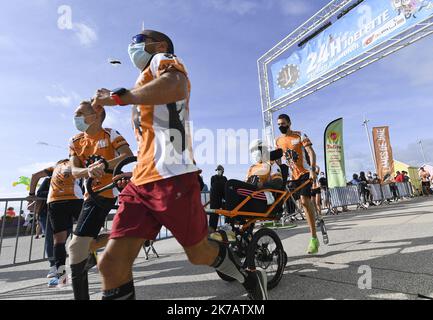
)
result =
(117, 171)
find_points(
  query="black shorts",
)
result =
(305, 191)
(92, 217)
(63, 213)
(315, 192)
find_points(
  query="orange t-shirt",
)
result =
(162, 131)
(104, 144)
(265, 171)
(293, 144)
(63, 186)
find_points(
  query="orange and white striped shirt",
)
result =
(162, 131)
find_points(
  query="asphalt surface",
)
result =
(392, 243)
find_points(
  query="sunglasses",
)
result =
(140, 38)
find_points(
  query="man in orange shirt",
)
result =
(298, 151)
(93, 153)
(65, 200)
(164, 190)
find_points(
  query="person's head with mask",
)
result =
(220, 170)
(146, 44)
(259, 152)
(369, 174)
(284, 123)
(322, 174)
(87, 120)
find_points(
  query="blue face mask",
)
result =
(80, 124)
(139, 56)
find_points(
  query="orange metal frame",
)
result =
(253, 217)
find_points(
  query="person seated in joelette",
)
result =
(263, 174)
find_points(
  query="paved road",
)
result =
(394, 241)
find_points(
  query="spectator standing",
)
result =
(425, 181)
(10, 212)
(217, 195)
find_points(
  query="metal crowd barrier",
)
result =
(17, 242)
(375, 192)
(344, 196)
(386, 192)
(351, 195)
(404, 189)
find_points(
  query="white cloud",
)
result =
(12, 192)
(294, 7)
(243, 7)
(116, 119)
(31, 168)
(240, 7)
(86, 35)
(64, 98)
(64, 101)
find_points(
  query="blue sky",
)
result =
(45, 71)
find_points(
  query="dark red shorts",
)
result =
(174, 203)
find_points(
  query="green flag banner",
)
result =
(334, 154)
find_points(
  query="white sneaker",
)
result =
(52, 272)
(63, 277)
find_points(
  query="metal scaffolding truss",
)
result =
(376, 53)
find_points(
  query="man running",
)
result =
(93, 152)
(164, 189)
(296, 147)
(65, 200)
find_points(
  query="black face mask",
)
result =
(283, 129)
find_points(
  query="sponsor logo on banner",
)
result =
(288, 76)
(334, 154)
(383, 151)
(370, 24)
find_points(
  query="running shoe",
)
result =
(231, 236)
(62, 280)
(52, 272)
(313, 247)
(53, 282)
(256, 285)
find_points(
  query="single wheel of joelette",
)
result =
(266, 251)
(94, 194)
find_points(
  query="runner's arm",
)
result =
(124, 152)
(170, 86)
(35, 179)
(309, 149)
(78, 171)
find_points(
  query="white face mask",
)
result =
(139, 56)
(220, 172)
(256, 156)
(80, 124)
